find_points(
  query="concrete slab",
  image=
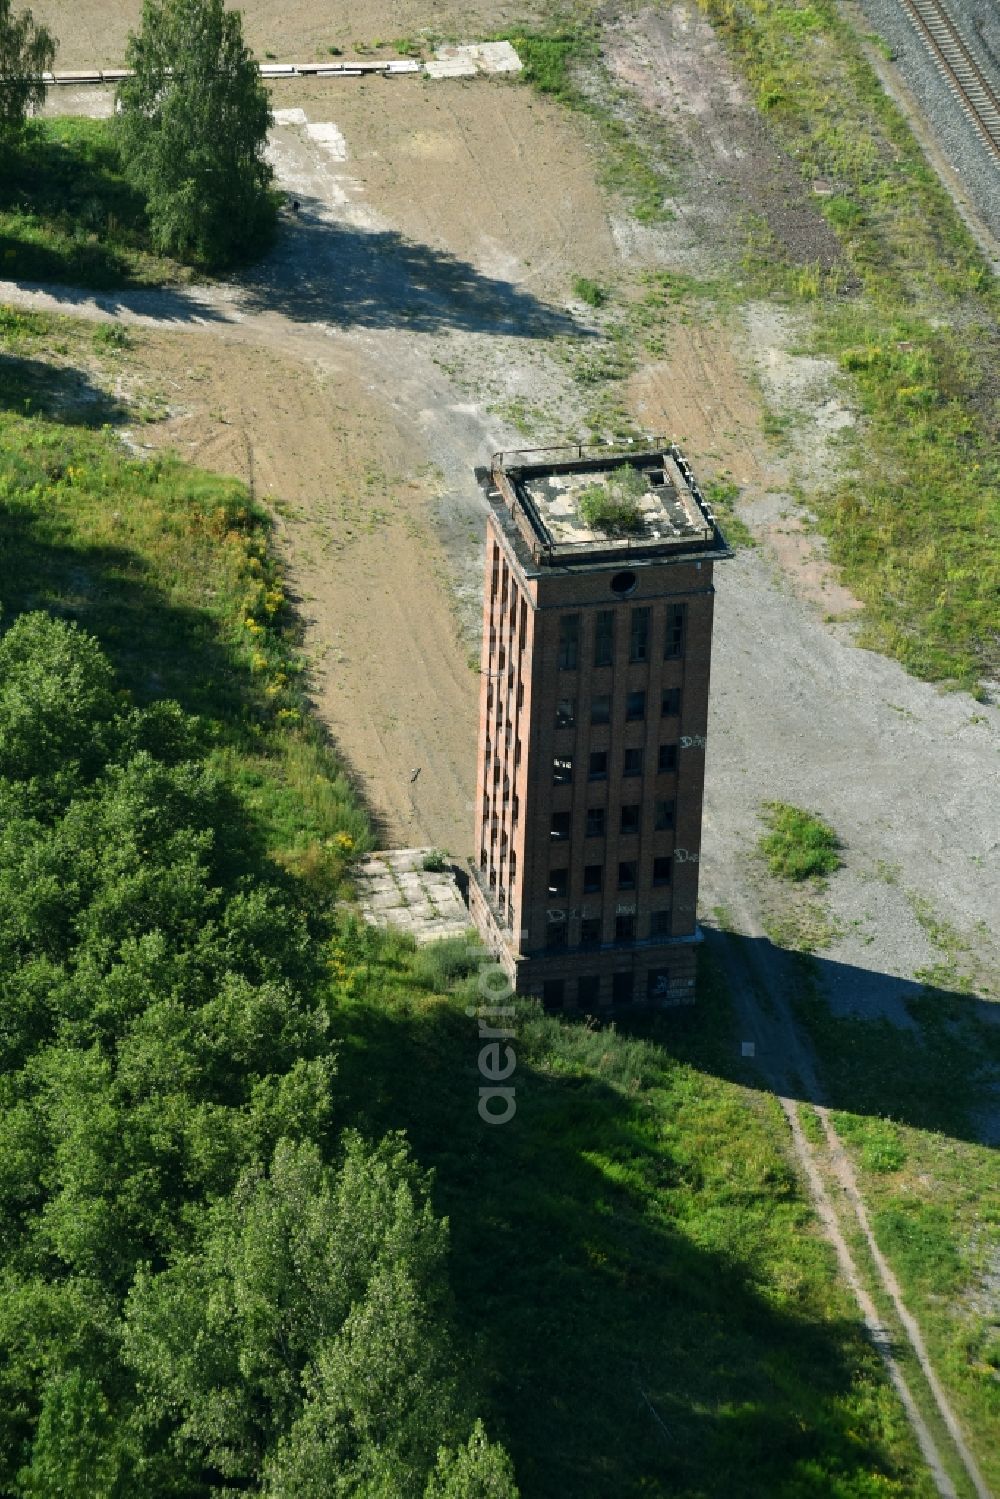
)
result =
(476, 57)
(496, 57)
(450, 67)
(394, 892)
(328, 137)
(383, 900)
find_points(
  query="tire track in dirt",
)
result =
(785, 1061)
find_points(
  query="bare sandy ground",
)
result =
(355, 378)
(441, 224)
(390, 678)
(431, 264)
(94, 32)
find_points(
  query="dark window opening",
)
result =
(552, 993)
(625, 928)
(670, 705)
(562, 770)
(638, 649)
(558, 881)
(633, 762)
(588, 989)
(674, 642)
(560, 826)
(659, 924)
(600, 708)
(630, 818)
(555, 933)
(635, 705)
(664, 816)
(604, 637)
(590, 931)
(598, 765)
(565, 713)
(661, 870)
(569, 641)
(667, 757)
(621, 988)
(593, 875)
(595, 822)
(623, 584)
(626, 874)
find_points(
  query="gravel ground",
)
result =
(960, 143)
(905, 773)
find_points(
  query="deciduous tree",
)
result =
(192, 128)
(27, 50)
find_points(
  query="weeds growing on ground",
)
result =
(913, 524)
(67, 214)
(800, 845)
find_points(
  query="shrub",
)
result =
(590, 292)
(800, 846)
(439, 964)
(614, 507)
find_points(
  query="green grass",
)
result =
(171, 569)
(934, 1207)
(722, 495)
(67, 213)
(638, 1275)
(639, 1283)
(590, 292)
(800, 845)
(633, 159)
(909, 1105)
(913, 525)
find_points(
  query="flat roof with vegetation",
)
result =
(586, 505)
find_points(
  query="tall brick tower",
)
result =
(597, 638)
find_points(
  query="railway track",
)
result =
(975, 90)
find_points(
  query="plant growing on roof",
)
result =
(615, 507)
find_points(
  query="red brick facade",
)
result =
(593, 714)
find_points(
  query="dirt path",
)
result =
(93, 33)
(442, 239)
(363, 370)
(785, 1062)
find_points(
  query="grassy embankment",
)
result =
(911, 319)
(911, 1106)
(169, 567)
(68, 215)
(910, 316)
(639, 1285)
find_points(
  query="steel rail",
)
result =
(945, 43)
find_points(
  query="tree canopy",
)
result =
(207, 1284)
(27, 50)
(192, 129)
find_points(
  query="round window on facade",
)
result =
(623, 584)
